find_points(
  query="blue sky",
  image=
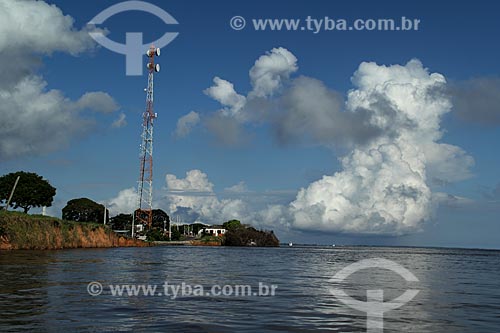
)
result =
(457, 40)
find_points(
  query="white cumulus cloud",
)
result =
(97, 101)
(270, 70)
(124, 203)
(194, 197)
(119, 122)
(223, 92)
(267, 77)
(36, 119)
(40, 27)
(241, 187)
(186, 123)
(383, 185)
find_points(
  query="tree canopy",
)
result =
(232, 224)
(153, 235)
(84, 210)
(31, 191)
(248, 236)
(196, 227)
(160, 219)
(176, 233)
(121, 222)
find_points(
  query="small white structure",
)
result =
(215, 230)
(139, 228)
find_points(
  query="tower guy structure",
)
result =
(144, 212)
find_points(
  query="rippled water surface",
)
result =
(46, 291)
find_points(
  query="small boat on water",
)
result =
(290, 244)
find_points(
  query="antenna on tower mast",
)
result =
(144, 212)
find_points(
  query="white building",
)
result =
(215, 230)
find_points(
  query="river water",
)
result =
(47, 291)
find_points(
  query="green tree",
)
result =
(160, 219)
(250, 236)
(176, 233)
(31, 191)
(196, 227)
(121, 222)
(232, 224)
(155, 235)
(84, 210)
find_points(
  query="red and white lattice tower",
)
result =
(144, 213)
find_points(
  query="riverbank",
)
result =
(194, 242)
(172, 243)
(19, 231)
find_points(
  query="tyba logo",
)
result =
(374, 305)
(133, 47)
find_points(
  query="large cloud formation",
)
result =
(267, 77)
(191, 198)
(390, 121)
(299, 109)
(194, 196)
(391, 197)
(34, 119)
(383, 187)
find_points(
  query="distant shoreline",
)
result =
(391, 246)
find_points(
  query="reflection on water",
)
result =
(46, 291)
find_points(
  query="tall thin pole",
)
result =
(133, 226)
(144, 213)
(12, 192)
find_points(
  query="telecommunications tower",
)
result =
(144, 212)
